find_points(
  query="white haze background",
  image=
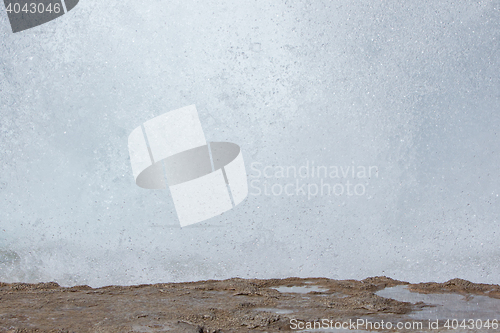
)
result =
(412, 87)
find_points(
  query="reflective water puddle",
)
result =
(446, 306)
(275, 310)
(334, 330)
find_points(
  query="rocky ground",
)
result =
(234, 305)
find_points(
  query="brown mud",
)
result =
(233, 305)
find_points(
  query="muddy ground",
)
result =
(234, 305)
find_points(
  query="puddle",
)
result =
(300, 289)
(275, 310)
(447, 306)
(335, 330)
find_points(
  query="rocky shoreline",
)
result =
(233, 305)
